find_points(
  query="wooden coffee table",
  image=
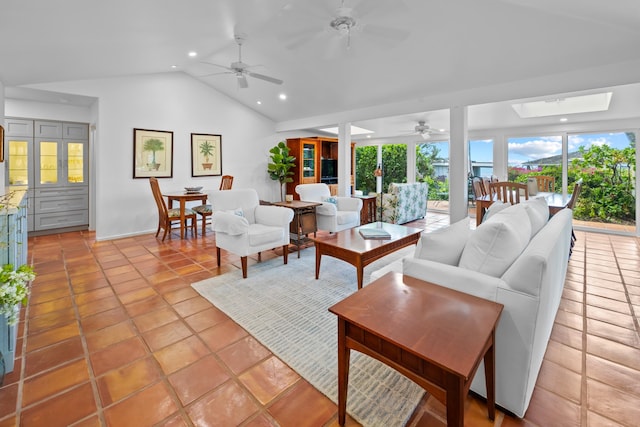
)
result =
(351, 247)
(433, 335)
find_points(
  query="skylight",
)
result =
(355, 130)
(562, 106)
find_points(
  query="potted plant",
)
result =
(279, 168)
(14, 290)
(206, 149)
(153, 145)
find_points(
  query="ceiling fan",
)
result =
(348, 21)
(240, 69)
(425, 131)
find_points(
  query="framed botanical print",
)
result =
(152, 153)
(1, 144)
(206, 154)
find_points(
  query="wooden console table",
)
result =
(304, 220)
(433, 335)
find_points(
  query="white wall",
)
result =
(171, 102)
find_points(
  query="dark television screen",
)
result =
(329, 168)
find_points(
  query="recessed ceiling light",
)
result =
(193, 54)
(174, 67)
(259, 102)
(368, 136)
(563, 119)
(282, 96)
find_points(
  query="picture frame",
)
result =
(206, 154)
(152, 153)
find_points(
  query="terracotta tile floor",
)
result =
(114, 335)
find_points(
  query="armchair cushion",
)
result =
(331, 199)
(260, 234)
(229, 223)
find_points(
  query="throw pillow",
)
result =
(495, 207)
(445, 245)
(495, 244)
(238, 212)
(538, 211)
(330, 200)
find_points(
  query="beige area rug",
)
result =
(286, 309)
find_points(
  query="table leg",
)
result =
(490, 380)
(318, 258)
(360, 272)
(455, 401)
(343, 371)
(479, 211)
(182, 224)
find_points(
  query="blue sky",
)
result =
(531, 148)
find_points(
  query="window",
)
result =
(606, 164)
(481, 157)
(432, 167)
(536, 155)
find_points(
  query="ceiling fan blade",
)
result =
(265, 78)
(395, 34)
(242, 82)
(217, 74)
(366, 6)
(216, 65)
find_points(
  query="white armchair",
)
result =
(343, 214)
(245, 227)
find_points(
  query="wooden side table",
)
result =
(433, 335)
(368, 212)
(304, 220)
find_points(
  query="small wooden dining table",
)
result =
(183, 198)
(555, 201)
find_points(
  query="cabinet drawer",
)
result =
(61, 191)
(45, 205)
(60, 220)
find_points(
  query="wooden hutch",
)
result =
(316, 161)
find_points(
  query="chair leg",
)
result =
(218, 255)
(285, 253)
(243, 261)
(259, 256)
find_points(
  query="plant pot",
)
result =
(207, 166)
(153, 166)
(8, 338)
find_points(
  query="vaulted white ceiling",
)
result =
(407, 58)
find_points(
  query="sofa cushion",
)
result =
(496, 243)
(538, 211)
(330, 199)
(494, 208)
(444, 245)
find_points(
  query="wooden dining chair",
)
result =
(546, 183)
(478, 187)
(166, 217)
(508, 192)
(226, 182)
(486, 182)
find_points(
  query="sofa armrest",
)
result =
(276, 216)
(228, 223)
(453, 277)
(349, 204)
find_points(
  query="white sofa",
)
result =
(517, 257)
